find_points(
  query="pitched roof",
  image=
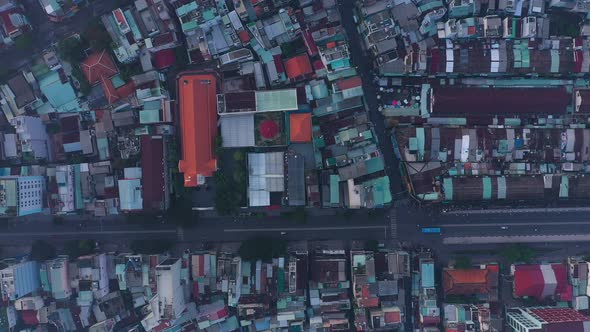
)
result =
(298, 66)
(540, 281)
(198, 115)
(300, 127)
(98, 65)
(468, 281)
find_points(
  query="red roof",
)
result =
(468, 281)
(312, 48)
(198, 117)
(300, 127)
(540, 281)
(476, 101)
(164, 58)
(298, 66)
(244, 36)
(279, 63)
(29, 317)
(349, 83)
(559, 315)
(372, 302)
(113, 94)
(9, 27)
(393, 317)
(152, 168)
(98, 65)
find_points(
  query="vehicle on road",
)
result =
(431, 230)
(504, 227)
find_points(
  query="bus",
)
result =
(431, 230)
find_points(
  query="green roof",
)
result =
(149, 116)
(276, 100)
(448, 188)
(375, 165)
(60, 95)
(334, 190)
(183, 10)
(381, 192)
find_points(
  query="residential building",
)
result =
(55, 278)
(21, 195)
(468, 317)
(541, 281)
(170, 295)
(546, 319)
(481, 283)
(429, 312)
(198, 118)
(124, 31)
(32, 137)
(93, 282)
(17, 95)
(130, 190)
(59, 10)
(18, 279)
(13, 22)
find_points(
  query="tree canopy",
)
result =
(263, 248)
(42, 250)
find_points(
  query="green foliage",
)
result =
(79, 76)
(71, 49)
(227, 198)
(24, 41)
(463, 262)
(263, 248)
(300, 215)
(77, 248)
(97, 36)
(239, 155)
(151, 247)
(42, 250)
(514, 253)
(564, 23)
(181, 58)
(372, 245)
(218, 145)
(129, 70)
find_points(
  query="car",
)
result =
(503, 227)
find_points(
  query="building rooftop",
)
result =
(300, 127)
(98, 66)
(198, 116)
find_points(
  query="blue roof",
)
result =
(427, 273)
(60, 95)
(130, 194)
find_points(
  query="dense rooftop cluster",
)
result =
(207, 291)
(487, 97)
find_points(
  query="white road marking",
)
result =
(301, 229)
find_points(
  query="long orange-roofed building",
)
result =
(198, 122)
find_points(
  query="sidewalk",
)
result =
(515, 211)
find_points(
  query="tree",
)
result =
(24, 41)
(71, 50)
(85, 87)
(42, 251)
(77, 248)
(181, 58)
(151, 247)
(300, 215)
(514, 253)
(372, 245)
(58, 220)
(52, 128)
(239, 155)
(463, 262)
(97, 36)
(218, 145)
(263, 248)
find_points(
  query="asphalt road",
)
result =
(364, 67)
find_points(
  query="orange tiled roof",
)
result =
(298, 66)
(98, 65)
(300, 127)
(198, 118)
(466, 281)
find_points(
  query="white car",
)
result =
(504, 227)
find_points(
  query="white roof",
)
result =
(237, 130)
